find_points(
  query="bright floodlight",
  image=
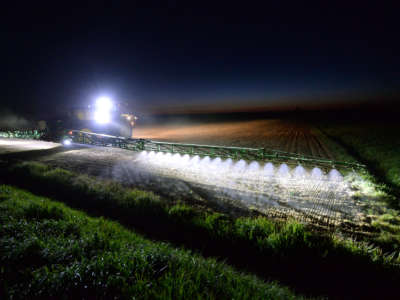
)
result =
(104, 104)
(67, 142)
(103, 107)
(102, 117)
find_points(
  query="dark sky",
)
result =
(164, 56)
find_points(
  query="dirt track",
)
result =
(275, 134)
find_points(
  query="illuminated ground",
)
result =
(231, 187)
(275, 190)
(19, 145)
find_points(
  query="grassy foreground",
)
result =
(48, 250)
(307, 261)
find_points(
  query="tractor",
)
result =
(103, 117)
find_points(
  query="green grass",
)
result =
(307, 261)
(377, 146)
(48, 250)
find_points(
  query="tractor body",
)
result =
(115, 120)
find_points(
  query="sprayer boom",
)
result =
(22, 134)
(235, 153)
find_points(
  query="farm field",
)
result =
(277, 134)
(376, 143)
(343, 203)
(307, 260)
(49, 251)
(235, 188)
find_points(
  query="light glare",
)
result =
(102, 114)
(103, 104)
(102, 117)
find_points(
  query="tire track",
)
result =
(310, 148)
(325, 153)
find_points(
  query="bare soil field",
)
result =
(274, 134)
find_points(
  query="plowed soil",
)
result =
(274, 134)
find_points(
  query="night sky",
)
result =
(163, 57)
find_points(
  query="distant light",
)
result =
(67, 142)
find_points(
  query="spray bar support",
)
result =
(235, 153)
